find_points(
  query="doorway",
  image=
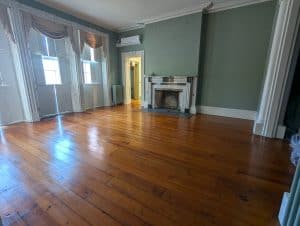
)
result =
(290, 112)
(292, 115)
(133, 78)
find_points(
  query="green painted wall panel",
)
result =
(172, 46)
(233, 56)
(234, 59)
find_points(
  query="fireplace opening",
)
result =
(167, 99)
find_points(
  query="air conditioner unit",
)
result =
(128, 41)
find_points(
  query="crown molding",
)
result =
(183, 12)
(129, 28)
(221, 6)
(7, 2)
(207, 7)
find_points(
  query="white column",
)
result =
(25, 70)
(277, 69)
(194, 95)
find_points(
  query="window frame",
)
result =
(84, 62)
(57, 71)
(83, 72)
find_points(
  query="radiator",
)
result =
(117, 94)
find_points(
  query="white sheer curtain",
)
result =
(98, 44)
(92, 76)
(54, 92)
(18, 24)
(4, 20)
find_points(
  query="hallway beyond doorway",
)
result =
(133, 76)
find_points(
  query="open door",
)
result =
(133, 78)
(127, 83)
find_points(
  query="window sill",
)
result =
(50, 84)
(92, 84)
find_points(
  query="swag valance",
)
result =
(4, 20)
(92, 40)
(48, 28)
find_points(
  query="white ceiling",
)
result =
(122, 14)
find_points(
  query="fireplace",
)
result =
(176, 93)
(167, 99)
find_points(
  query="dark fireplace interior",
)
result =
(167, 99)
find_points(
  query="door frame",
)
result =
(125, 56)
(278, 68)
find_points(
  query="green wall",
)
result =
(172, 46)
(234, 59)
(113, 37)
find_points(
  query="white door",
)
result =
(11, 109)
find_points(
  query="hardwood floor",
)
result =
(121, 166)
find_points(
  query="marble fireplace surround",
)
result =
(186, 85)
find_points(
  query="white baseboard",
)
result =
(11, 123)
(227, 112)
(280, 131)
(257, 128)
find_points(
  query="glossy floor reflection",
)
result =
(121, 166)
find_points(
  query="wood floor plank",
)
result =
(122, 166)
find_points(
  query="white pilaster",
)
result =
(193, 109)
(278, 67)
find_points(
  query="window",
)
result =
(90, 66)
(51, 70)
(92, 54)
(87, 72)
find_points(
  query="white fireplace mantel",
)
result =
(187, 85)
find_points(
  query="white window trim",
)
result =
(89, 62)
(56, 59)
